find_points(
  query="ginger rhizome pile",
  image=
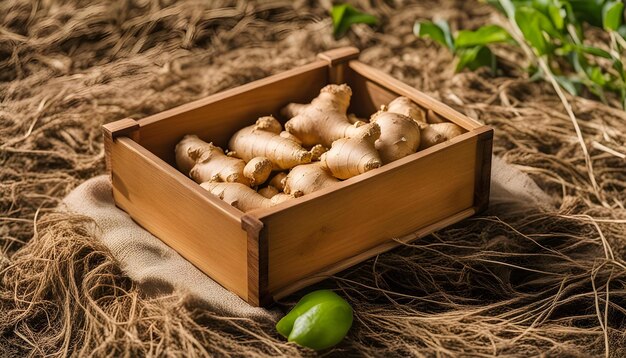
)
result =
(206, 162)
(320, 145)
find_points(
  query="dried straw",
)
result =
(517, 281)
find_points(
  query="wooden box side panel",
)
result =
(365, 211)
(200, 227)
(216, 118)
(373, 88)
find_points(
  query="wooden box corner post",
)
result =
(482, 186)
(337, 60)
(257, 253)
(124, 127)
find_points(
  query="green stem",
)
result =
(517, 33)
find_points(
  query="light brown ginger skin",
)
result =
(278, 181)
(448, 129)
(353, 119)
(434, 129)
(307, 178)
(208, 162)
(403, 105)
(349, 157)
(258, 169)
(439, 132)
(263, 140)
(242, 196)
(429, 137)
(399, 135)
(281, 198)
(288, 135)
(316, 151)
(189, 151)
(324, 120)
(432, 117)
(269, 124)
(268, 191)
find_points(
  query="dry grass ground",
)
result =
(518, 281)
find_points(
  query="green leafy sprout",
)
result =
(554, 32)
(344, 16)
(471, 47)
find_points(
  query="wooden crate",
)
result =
(266, 254)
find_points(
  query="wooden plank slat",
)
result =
(198, 225)
(337, 62)
(353, 216)
(483, 168)
(386, 81)
(216, 118)
(257, 261)
(124, 127)
(368, 254)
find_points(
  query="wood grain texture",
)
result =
(333, 224)
(368, 254)
(367, 96)
(198, 225)
(337, 62)
(124, 127)
(385, 81)
(217, 117)
(483, 168)
(257, 261)
(339, 55)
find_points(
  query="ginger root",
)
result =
(290, 136)
(434, 129)
(269, 191)
(406, 107)
(353, 119)
(241, 196)
(204, 161)
(316, 151)
(263, 140)
(430, 137)
(399, 135)
(189, 150)
(278, 181)
(324, 120)
(439, 132)
(258, 169)
(432, 117)
(352, 156)
(307, 178)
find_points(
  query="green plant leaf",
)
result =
(509, 6)
(443, 25)
(557, 15)
(483, 36)
(596, 76)
(344, 16)
(595, 51)
(475, 57)
(533, 25)
(439, 31)
(612, 14)
(588, 10)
